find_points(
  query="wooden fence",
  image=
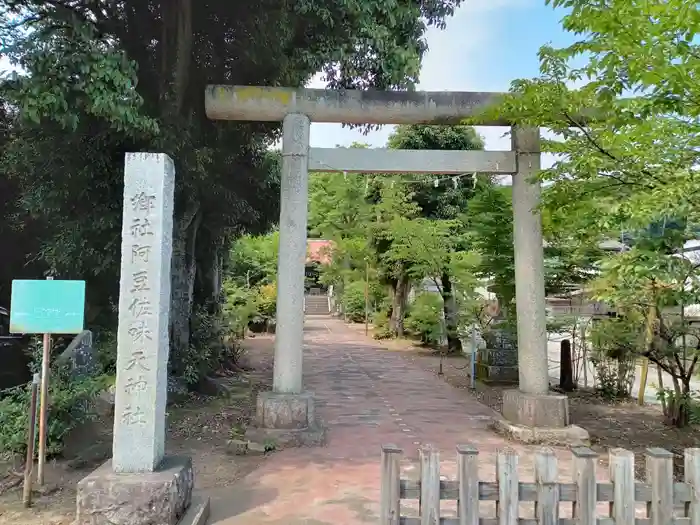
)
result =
(665, 499)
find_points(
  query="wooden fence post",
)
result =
(547, 504)
(468, 503)
(692, 478)
(429, 485)
(390, 486)
(622, 478)
(584, 508)
(507, 473)
(660, 477)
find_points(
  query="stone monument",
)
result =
(140, 485)
(498, 361)
(79, 356)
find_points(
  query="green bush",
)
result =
(615, 343)
(424, 319)
(380, 320)
(212, 346)
(70, 405)
(353, 301)
(239, 307)
(266, 301)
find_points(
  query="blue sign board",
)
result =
(47, 307)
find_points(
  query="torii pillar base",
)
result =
(286, 420)
(538, 418)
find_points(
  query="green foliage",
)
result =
(239, 307)
(253, 259)
(71, 403)
(449, 200)
(428, 248)
(424, 319)
(651, 289)
(99, 79)
(338, 207)
(380, 321)
(615, 346)
(401, 227)
(105, 344)
(630, 165)
(627, 150)
(213, 346)
(489, 231)
(82, 79)
(353, 301)
(266, 301)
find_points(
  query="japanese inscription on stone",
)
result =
(140, 311)
(144, 301)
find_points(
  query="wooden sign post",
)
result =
(46, 307)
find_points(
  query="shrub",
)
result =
(615, 343)
(266, 301)
(382, 330)
(424, 319)
(212, 347)
(239, 307)
(70, 405)
(353, 301)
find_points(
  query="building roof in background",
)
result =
(318, 250)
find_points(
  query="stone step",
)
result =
(316, 305)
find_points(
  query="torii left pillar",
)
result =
(286, 414)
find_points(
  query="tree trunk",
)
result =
(454, 345)
(399, 290)
(209, 271)
(183, 273)
(684, 412)
(679, 409)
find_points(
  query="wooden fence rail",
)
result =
(662, 495)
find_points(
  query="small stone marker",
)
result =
(144, 304)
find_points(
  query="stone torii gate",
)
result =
(286, 413)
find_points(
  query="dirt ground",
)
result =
(610, 424)
(199, 427)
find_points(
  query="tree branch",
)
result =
(607, 153)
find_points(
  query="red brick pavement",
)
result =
(367, 396)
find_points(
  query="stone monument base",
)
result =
(150, 498)
(497, 373)
(532, 418)
(286, 420)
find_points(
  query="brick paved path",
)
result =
(367, 396)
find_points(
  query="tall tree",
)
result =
(629, 148)
(104, 77)
(447, 201)
(489, 231)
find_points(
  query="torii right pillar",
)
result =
(532, 414)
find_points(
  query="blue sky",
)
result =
(486, 45)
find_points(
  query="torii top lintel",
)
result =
(272, 104)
